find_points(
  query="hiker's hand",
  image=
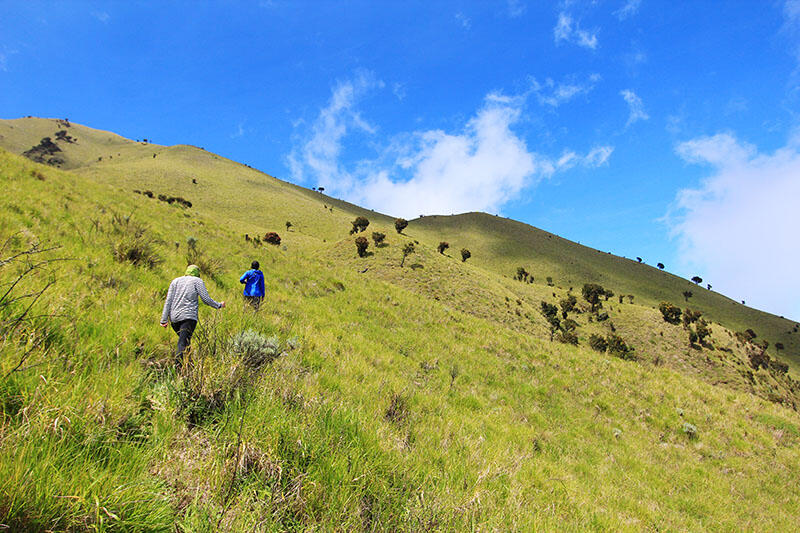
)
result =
(163, 324)
(222, 305)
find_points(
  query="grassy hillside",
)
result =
(501, 245)
(373, 396)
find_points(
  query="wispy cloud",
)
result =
(239, 131)
(737, 227)
(399, 90)
(635, 107)
(516, 8)
(629, 9)
(102, 16)
(480, 167)
(465, 22)
(567, 29)
(554, 94)
(5, 53)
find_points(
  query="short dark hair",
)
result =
(254, 265)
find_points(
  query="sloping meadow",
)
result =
(349, 401)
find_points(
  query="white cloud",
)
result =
(635, 107)
(554, 94)
(102, 16)
(318, 156)
(570, 31)
(481, 167)
(399, 91)
(516, 8)
(628, 9)
(465, 22)
(738, 229)
(239, 131)
(5, 53)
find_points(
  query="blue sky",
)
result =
(665, 130)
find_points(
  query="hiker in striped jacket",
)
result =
(181, 307)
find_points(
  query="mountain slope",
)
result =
(427, 395)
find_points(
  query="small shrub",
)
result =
(671, 313)
(408, 249)
(778, 367)
(359, 225)
(549, 281)
(618, 348)
(522, 274)
(133, 243)
(569, 325)
(601, 317)
(400, 224)
(254, 348)
(758, 358)
(697, 280)
(272, 238)
(630, 298)
(361, 246)
(465, 254)
(443, 246)
(690, 430)
(690, 317)
(567, 337)
(378, 237)
(598, 343)
(660, 266)
(568, 304)
(288, 225)
(687, 295)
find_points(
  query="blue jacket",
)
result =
(254, 283)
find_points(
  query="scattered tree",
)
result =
(408, 249)
(621, 296)
(465, 254)
(702, 330)
(660, 266)
(591, 293)
(698, 280)
(687, 295)
(359, 225)
(522, 274)
(549, 281)
(443, 246)
(378, 237)
(608, 294)
(288, 225)
(568, 304)
(630, 298)
(639, 259)
(690, 317)
(361, 245)
(400, 224)
(708, 286)
(779, 346)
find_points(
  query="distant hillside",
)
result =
(402, 390)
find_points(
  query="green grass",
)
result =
(423, 397)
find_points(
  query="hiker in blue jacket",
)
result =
(253, 281)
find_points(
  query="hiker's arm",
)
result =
(168, 304)
(208, 300)
(243, 279)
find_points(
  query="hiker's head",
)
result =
(193, 270)
(254, 265)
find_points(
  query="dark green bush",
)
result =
(617, 347)
(400, 224)
(671, 313)
(567, 337)
(465, 254)
(359, 225)
(568, 304)
(378, 237)
(443, 246)
(598, 343)
(361, 246)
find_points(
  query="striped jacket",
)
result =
(182, 301)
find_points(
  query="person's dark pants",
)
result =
(254, 301)
(184, 329)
